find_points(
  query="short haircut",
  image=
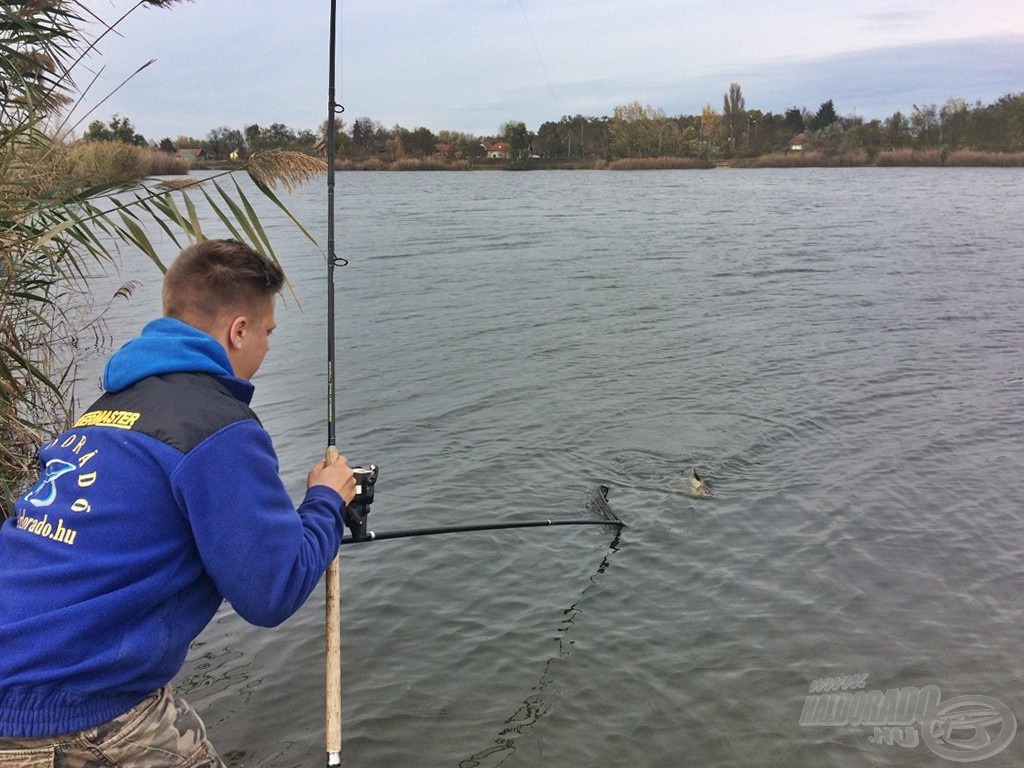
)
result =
(217, 276)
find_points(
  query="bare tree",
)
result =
(734, 111)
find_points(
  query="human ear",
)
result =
(236, 331)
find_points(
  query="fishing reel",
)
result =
(358, 509)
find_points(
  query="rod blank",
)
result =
(598, 503)
(411, 532)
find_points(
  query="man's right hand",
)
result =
(337, 475)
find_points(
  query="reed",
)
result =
(909, 158)
(404, 164)
(91, 163)
(806, 159)
(429, 164)
(279, 167)
(65, 210)
(158, 163)
(178, 183)
(658, 164)
(973, 158)
(941, 156)
(373, 164)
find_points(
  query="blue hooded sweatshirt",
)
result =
(162, 500)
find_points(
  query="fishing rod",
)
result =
(356, 511)
(411, 532)
(356, 515)
(332, 619)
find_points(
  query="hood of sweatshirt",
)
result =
(167, 345)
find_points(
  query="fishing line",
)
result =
(540, 60)
(534, 706)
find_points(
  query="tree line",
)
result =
(635, 131)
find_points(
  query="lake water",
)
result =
(837, 352)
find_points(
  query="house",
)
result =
(796, 144)
(495, 151)
(190, 153)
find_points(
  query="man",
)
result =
(160, 502)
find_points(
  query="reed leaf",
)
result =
(254, 220)
(224, 219)
(269, 194)
(237, 211)
(138, 237)
(62, 214)
(163, 211)
(195, 229)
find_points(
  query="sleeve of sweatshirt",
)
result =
(265, 556)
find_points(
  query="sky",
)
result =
(474, 65)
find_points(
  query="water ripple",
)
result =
(837, 352)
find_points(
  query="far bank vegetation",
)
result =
(633, 137)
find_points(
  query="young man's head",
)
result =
(226, 289)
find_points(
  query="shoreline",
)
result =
(930, 158)
(893, 159)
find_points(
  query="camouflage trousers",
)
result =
(160, 732)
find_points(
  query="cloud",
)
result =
(892, 21)
(491, 61)
(877, 82)
(872, 83)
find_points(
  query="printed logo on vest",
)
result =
(117, 419)
(46, 491)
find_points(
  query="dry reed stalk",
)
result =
(173, 185)
(657, 164)
(274, 167)
(429, 164)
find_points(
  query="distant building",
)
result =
(495, 151)
(796, 144)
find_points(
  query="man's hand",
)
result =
(337, 475)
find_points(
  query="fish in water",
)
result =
(697, 487)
